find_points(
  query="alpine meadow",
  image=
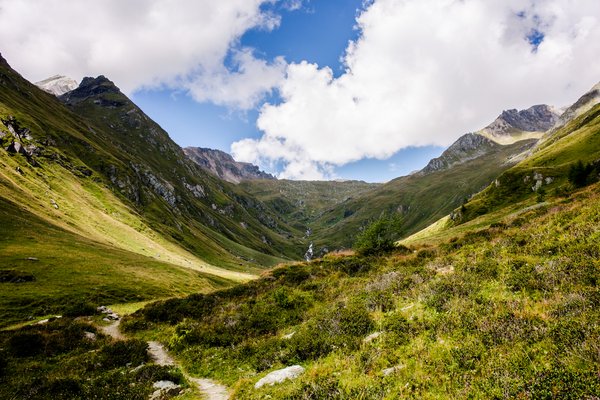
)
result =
(140, 260)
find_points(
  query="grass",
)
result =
(508, 311)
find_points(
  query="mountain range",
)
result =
(98, 205)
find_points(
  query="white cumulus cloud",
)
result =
(423, 72)
(143, 43)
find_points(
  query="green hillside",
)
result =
(505, 312)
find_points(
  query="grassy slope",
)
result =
(419, 199)
(504, 312)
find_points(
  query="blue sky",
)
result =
(319, 33)
(264, 80)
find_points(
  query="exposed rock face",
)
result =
(92, 87)
(467, 147)
(512, 125)
(538, 118)
(224, 166)
(57, 85)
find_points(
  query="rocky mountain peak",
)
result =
(538, 118)
(224, 166)
(467, 147)
(582, 105)
(57, 85)
(90, 87)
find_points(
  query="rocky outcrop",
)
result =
(467, 147)
(57, 85)
(538, 118)
(224, 166)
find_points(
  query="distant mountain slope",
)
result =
(304, 202)
(465, 168)
(224, 166)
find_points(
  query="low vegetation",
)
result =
(70, 359)
(509, 311)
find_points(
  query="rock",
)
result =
(309, 253)
(163, 385)
(280, 375)
(165, 389)
(16, 148)
(32, 259)
(288, 336)
(389, 371)
(54, 204)
(90, 336)
(197, 190)
(372, 337)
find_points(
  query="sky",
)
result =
(316, 89)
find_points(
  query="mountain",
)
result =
(57, 85)
(224, 166)
(98, 204)
(464, 169)
(513, 125)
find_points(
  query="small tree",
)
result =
(378, 237)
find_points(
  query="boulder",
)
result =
(280, 375)
(165, 389)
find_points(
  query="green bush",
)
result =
(79, 309)
(397, 329)
(123, 353)
(3, 364)
(26, 344)
(377, 238)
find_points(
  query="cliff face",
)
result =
(224, 166)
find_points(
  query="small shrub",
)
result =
(80, 309)
(122, 353)
(563, 384)
(397, 329)
(3, 364)
(468, 354)
(523, 276)
(26, 344)
(13, 276)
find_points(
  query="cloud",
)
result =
(243, 88)
(143, 43)
(423, 72)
